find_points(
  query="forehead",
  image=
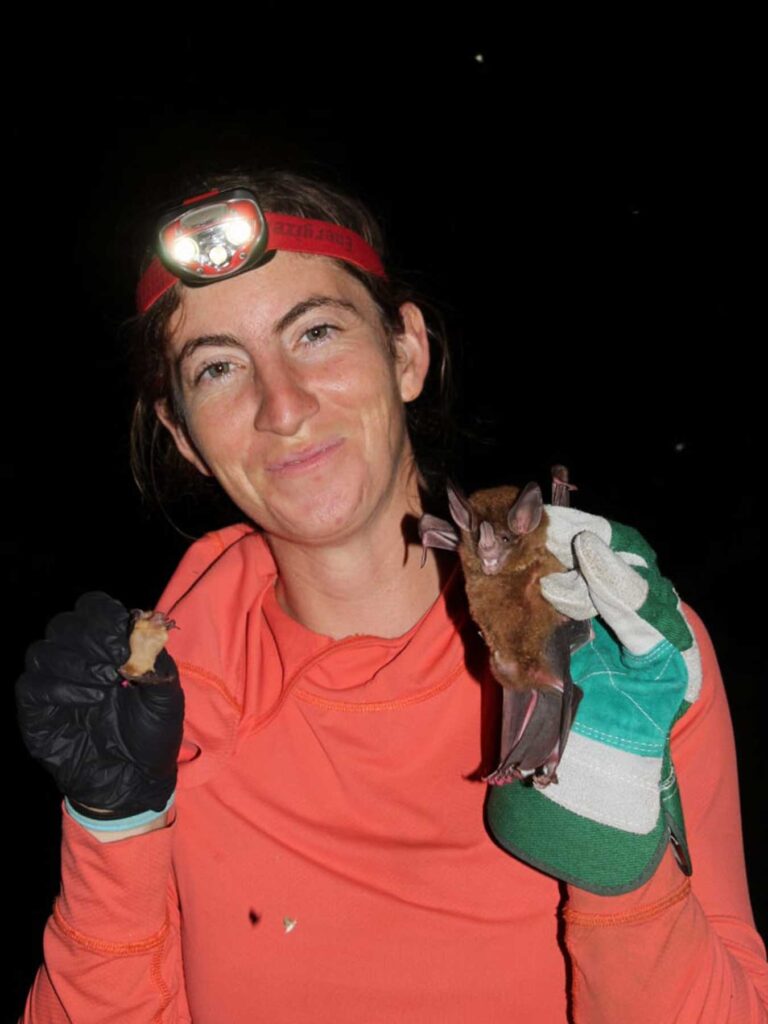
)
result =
(256, 300)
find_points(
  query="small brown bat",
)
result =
(503, 552)
(148, 637)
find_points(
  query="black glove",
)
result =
(109, 746)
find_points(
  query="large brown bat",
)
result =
(502, 546)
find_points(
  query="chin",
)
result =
(321, 517)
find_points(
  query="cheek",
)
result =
(368, 385)
(375, 404)
(384, 431)
(220, 430)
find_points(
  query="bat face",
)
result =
(498, 525)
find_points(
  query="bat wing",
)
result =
(536, 723)
(436, 533)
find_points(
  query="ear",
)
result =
(412, 352)
(180, 437)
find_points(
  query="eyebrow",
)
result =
(285, 321)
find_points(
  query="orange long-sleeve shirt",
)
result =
(326, 859)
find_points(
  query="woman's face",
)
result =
(292, 398)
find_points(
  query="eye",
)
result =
(314, 335)
(213, 371)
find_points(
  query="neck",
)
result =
(371, 583)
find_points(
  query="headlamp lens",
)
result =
(185, 250)
(219, 255)
(238, 230)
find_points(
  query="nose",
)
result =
(284, 402)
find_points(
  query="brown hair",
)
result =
(160, 472)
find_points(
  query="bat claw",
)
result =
(155, 619)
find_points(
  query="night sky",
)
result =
(582, 211)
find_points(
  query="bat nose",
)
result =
(487, 536)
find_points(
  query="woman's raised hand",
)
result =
(110, 745)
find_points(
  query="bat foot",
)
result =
(503, 776)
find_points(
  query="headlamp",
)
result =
(221, 234)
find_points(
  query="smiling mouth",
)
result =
(306, 459)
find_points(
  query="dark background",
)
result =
(580, 199)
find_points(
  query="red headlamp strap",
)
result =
(298, 234)
(153, 284)
(291, 234)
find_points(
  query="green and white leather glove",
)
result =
(605, 823)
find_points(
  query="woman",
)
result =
(321, 853)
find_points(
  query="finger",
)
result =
(617, 591)
(47, 660)
(569, 594)
(108, 621)
(98, 626)
(37, 690)
(564, 523)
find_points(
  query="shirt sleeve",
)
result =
(111, 947)
(679, 949)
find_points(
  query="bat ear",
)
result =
(525, 514)
(461, 510)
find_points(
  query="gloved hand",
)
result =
(605, 824)
(110, 745)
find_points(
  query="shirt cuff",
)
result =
(118, 824)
